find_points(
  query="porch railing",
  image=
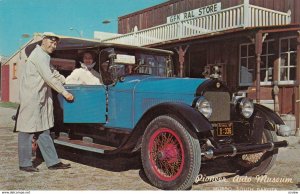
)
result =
(244, 15)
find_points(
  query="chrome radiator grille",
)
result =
(220, 102)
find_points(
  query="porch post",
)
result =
(181, 55)
(297, 106)
(276, 79)
(246, 13)
(276, 99)
(136, 41)
(258, 51)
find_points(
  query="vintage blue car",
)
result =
(175, 123)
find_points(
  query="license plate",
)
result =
(224, 129)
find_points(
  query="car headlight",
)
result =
(203, 106)
(246, 107)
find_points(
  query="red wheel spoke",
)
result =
(166, 154)
(163, 137)
(173, 170)
(170, 139)
(161, 164)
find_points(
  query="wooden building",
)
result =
(255, 43)
(157, 15)
(10, 74)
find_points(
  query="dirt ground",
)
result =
(124, 172)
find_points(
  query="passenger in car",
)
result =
(85, 75)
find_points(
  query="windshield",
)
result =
(154, 65)
(142, 63)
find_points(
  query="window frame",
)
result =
(267, 55)
(240, 62)
(286, 82)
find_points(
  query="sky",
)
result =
(18, 17)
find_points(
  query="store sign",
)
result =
(202, 11)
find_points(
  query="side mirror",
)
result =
(107, 54)
(112, 55)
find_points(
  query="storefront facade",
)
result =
(255, 44)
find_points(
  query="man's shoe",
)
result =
(29, 169)
(59, 165)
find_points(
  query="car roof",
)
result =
(73, 43)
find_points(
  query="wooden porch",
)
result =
(241, 16)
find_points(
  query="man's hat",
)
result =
(51, 36)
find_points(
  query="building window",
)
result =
(14, 71)
(267, 62)
(248, 63)
(287, 60)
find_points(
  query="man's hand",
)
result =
(69, 96)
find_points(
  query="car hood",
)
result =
(155, 84)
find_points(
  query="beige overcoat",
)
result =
(36, 104)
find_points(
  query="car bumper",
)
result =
(233, 150)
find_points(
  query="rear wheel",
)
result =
(259, 163)
(171, 155)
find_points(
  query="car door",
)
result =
(88, 106)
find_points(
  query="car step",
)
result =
(82, 145)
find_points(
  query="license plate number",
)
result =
(224, 129)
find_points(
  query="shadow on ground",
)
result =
(125, 162)
(114, 163)
(215, 168)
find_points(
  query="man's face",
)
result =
(49, 45)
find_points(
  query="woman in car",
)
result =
(85, 75)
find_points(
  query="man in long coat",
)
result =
(36, 105)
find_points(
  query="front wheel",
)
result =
(170, 154)
(258, 163)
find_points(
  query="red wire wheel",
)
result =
(166, 154)
(170, 153)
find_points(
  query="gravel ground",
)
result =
(97, 172)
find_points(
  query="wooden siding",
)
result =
(286, 97)
(288, 94)
(200, 55)
(158, 14)
(226, 51)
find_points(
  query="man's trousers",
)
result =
(45, 144)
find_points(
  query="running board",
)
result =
(82, 145)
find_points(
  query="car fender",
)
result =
(263, 118)
(269, 115)
(191, 118)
